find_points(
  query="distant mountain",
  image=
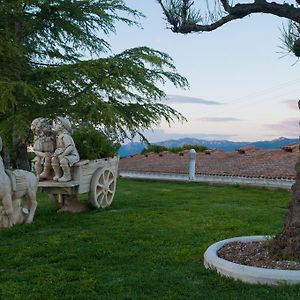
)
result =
(133, 148)
(221, 144)
(229, 145)
(277, 143)
(130, 149)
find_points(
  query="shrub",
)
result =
(93, 144)
(197, 148)
(154, 148)
(158, 148)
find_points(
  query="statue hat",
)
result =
(66, 123)
(37, 121)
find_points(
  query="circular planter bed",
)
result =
(245, 273)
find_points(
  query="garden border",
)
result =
(244, 273)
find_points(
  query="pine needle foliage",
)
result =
(92, 144)
(54, 60)
(291, 38)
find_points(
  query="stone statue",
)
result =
(65, 154)
(15, 185)
(43, 147)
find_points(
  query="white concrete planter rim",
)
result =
(247, 273)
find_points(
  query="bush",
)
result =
(155, 148)
(92, 144)
(197, 148)
(158, 148)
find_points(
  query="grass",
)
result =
(149, 244)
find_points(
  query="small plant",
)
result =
(92, 144)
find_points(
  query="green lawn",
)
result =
(149, 244)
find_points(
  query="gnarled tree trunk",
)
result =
(6, 157)
(287, 242)
(20, 154)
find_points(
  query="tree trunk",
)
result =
(6, 157)
(20, 153)
(287, 243)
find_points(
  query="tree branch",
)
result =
(226, 5)
(44, 64)
(238, 11)
(83, 91)
(166, 12)
(24, 6)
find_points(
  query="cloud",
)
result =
(219, 119)
(293, 104)
(287, 128)
(176, 99)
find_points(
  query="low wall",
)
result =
(215, 179)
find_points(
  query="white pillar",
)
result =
(192, 164)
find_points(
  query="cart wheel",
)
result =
(103, 187)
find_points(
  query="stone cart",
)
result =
(96, 177)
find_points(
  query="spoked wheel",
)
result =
(103, 187)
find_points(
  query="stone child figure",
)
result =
(66, 154)
(43, 147)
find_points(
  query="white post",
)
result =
(192, 164)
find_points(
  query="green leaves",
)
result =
(63, 31)
(92, 144)
(66, 30)
(45, 70)
(180, 13)
(7, 99)
(291, 38)
(119, 91)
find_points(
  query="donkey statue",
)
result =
(15, 185)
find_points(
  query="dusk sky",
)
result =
(241, 86)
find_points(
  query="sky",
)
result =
(242, 86)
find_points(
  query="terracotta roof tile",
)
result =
(274, 163)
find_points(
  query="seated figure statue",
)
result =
(43, 147)
(65, 154)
